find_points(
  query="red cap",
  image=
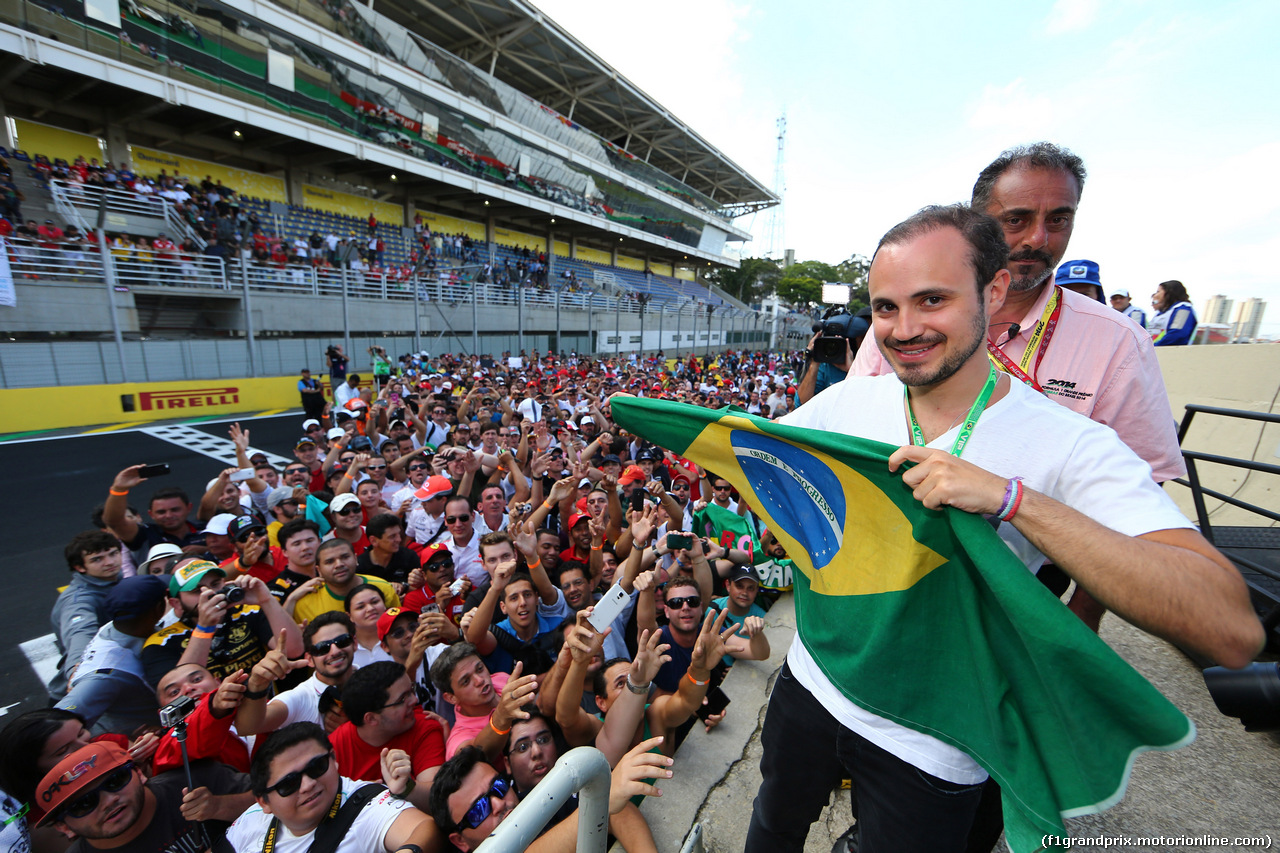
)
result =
(74, 774)
(576, 517)
(429, 551)
(386, 620)
(434, 486)
(631, 475)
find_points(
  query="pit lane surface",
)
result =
(53, 486)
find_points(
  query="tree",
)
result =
(800, 290)
(754, 278)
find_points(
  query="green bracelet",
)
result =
(408, 789)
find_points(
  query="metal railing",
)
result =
(583, 770)
(79, 204)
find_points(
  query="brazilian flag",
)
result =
(735, 531)
(926, 617)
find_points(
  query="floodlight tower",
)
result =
(775, 238)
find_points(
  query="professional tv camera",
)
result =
(837, 326)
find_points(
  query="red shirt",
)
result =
(417, 599)
(262, 570)
(207, 737)
(358, 760)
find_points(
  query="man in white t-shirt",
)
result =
(328, 640)
(294, 777)
(1146, 563)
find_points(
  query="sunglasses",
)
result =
(320, 649)
(291, 782)
(249, 534)
(450, 519)
(375, 467)
(299, 470)
(349, 510)
(419, 467)
(694, 601)
(722, 488)
(438, 565)
(403, 628)
(482, 808)
(115, 781)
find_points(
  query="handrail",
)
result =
(70, 198)
(584, 770)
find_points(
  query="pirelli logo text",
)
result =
(193, 398)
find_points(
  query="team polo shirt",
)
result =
(325, 600)
(1099, 364)
(239, 643)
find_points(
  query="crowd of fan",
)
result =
(405, 603)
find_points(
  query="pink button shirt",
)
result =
(1100, 364)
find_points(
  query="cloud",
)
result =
(1013, 109)
(1071, 16)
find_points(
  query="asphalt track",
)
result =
(65, 477)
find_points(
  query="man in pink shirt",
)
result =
(484, 705)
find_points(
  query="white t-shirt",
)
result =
(367, 833)
(466, 559)
(362, 657)
(303, 702)
(1056, 451)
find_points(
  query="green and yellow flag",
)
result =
(735, 531)
(926, 617)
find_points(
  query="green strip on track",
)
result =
(15, 435)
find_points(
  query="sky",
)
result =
(1173, 105)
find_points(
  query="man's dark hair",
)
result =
(329, 617)
(1039, 155)
(454, 499)
(683, 580)
(442, 669)
(572, 566)
(1174, 292)
(381, 523)
(346, 603)
(496, 537)
(88, 542)
(167, 493)
(330, 544)
(599, 686)
(366, 691)
(277, 742)
(547, 531)
(95, 517)
(449, 779)
(293, 527)
(988, 252)
(516, 577)
(21, 743)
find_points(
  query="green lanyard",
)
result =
(966, 429)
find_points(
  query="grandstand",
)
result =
(318, 113)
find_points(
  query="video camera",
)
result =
(1252, 694)
(836, 327)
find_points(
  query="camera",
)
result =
(1252, 694)
(838, 326)
(176, 711)
(234, 594)
(331, 351)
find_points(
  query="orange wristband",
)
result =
(689, 676)
(498, 731)
(118, 494)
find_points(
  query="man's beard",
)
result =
(951, 364)
(1021, 284)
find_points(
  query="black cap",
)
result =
(135, 596)
(243, 525)
(646, 454)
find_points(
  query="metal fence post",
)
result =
(109, 279)
(520, 319)
(475, 320)
(617, 325)
(248, 317)
(415, 282)
(591, 321)
(558, 347)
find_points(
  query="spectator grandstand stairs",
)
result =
(207, 444)
(38, 204)
(79, 205)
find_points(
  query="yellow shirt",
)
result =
(323, 601)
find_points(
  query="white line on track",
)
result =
(245, 418)
(42, 654)
(206, 444)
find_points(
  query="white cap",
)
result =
(219, 523)
(342, 501)
(309, 423)
(336, 432)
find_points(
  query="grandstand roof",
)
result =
(524, 48)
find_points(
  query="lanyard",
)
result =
(273, 829)
(1037, 345)
(966, 429)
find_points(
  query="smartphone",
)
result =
(146, 472)
(637, 500)
(679, 540)
(608, 608)
(717, 701)
(241, 475)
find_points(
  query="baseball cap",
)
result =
(430, 552)
(160, 552)
(335, 432)
(646, 454)
(309, 423)
(279, 495)
(243, 525)
(1120, 292)
(135, 596)
(610, 457)
(585, 481)
(435, 486)
(342, 501)
(1078, 272)
(738, 573)
(303, 442)
(576, 517)
(219, 524)
(188, 577)
(75, 774)
(386, 620)
(631, 475)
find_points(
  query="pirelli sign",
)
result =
(187, 399)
